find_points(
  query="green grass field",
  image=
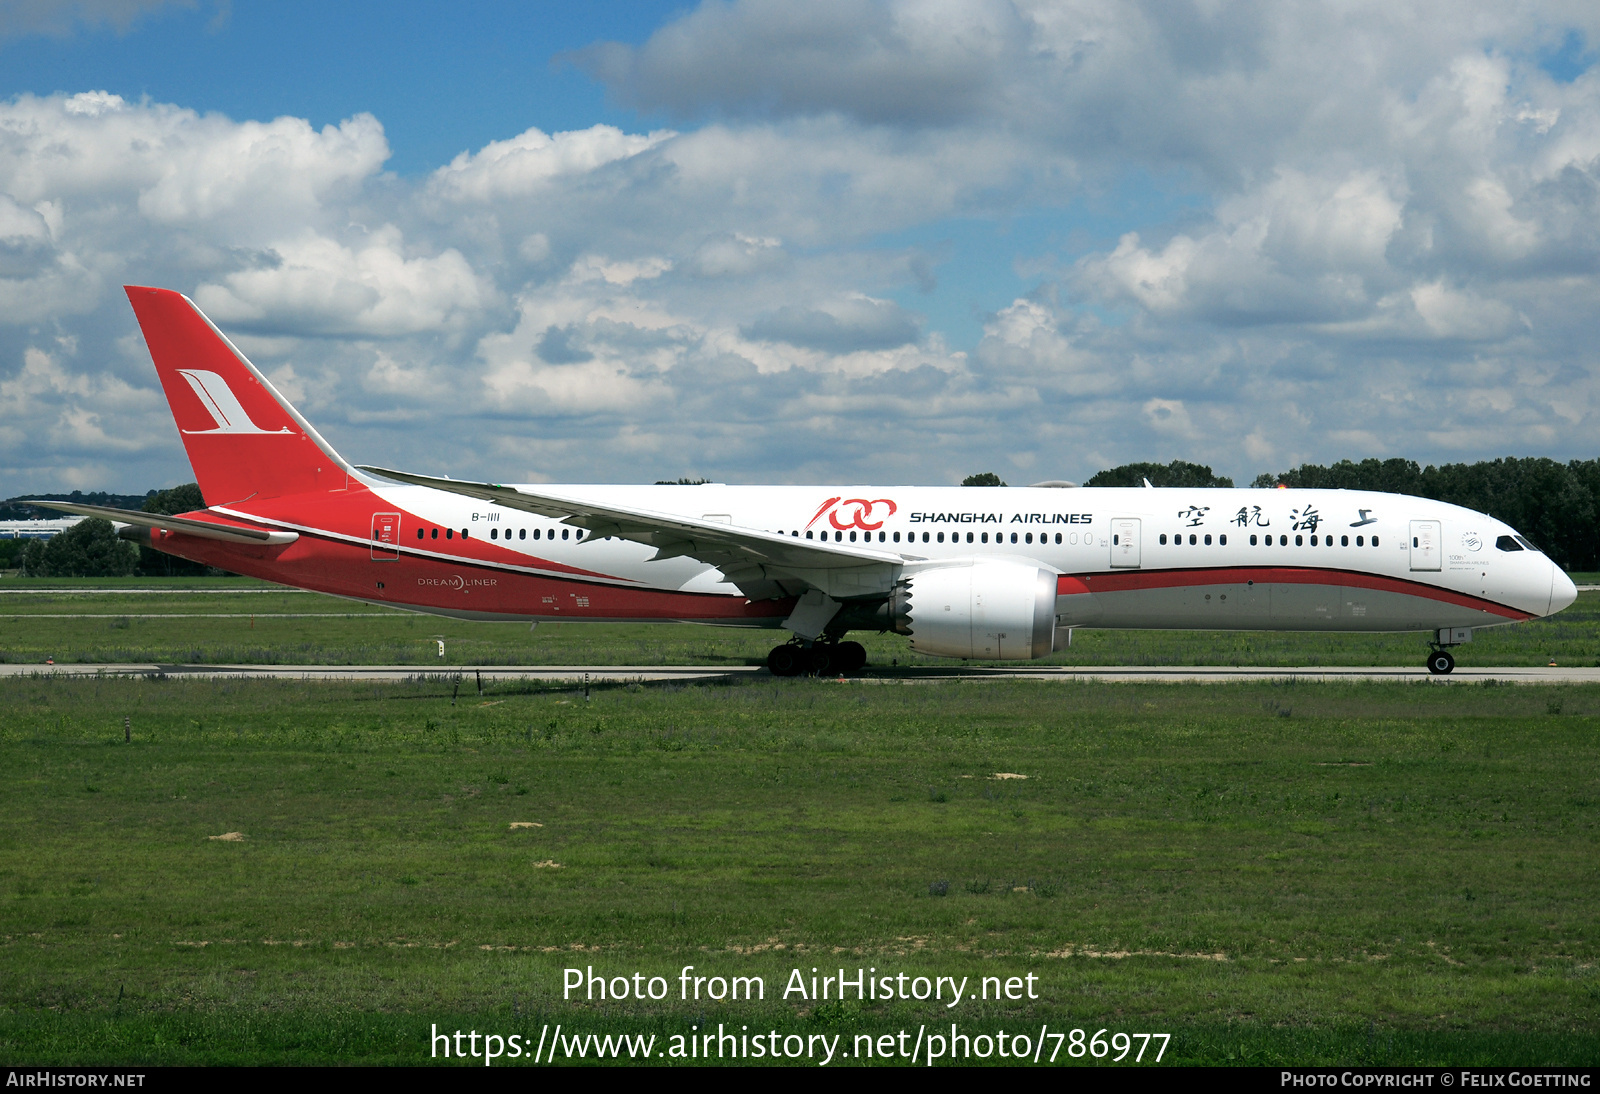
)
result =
(1331, 873)
(236, 621)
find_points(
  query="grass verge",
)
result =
(1309, 873)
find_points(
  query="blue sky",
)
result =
(861, 240)
(442, 78)
(445, 80)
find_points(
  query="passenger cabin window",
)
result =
(1252, 541)
(494, 533)
(941, 537)
(434, 534)
(1208, 539)
(1344, 541)
(1507, 543)
(897, 537)
(1361, 541)
(449, 533)
(1013, 537)
(419, 533)
(1222, 541)
(522, 533)
(1163, 539)
(565, 532)
(1374, 541)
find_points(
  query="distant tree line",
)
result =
(18, 508)
(89, 548)
(1176, 473)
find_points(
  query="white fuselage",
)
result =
(1224, 558)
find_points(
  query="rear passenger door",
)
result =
(385, 537)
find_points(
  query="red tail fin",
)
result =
(243, 438)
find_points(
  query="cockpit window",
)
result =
(1523, 540)
(1508, 543)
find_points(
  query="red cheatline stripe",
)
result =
(1118, 581)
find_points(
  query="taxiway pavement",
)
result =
(577, 675)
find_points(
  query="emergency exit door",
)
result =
(1125, 542)
(1425, 553)
(385, 537)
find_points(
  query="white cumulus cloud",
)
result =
(320, 286)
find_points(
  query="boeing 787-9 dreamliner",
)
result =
(998, 574)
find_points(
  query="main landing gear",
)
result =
(817, 659)
(1441, 662)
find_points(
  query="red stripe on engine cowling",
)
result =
(1128, 580)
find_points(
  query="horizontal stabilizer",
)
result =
(202, 529)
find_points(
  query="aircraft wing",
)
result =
(754, 559)
(204, 529)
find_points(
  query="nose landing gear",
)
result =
(817, 659)
(1441, 662)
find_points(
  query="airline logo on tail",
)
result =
(222, 404)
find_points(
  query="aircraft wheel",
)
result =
(786, 660)
(1441, 662)
(822, 660)
(850, 657)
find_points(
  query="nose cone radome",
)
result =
(1562, 591)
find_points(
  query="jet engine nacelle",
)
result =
(987, 610)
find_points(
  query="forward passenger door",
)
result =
(1425, 545)
(1125, 543)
